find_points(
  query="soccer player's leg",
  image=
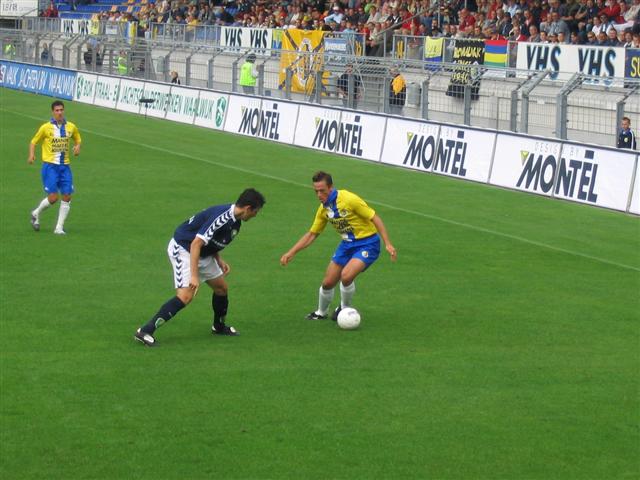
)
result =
(49, 175)
(65, 185)
(212, 274)
(362, 258)
(179, 259)
(327, 289)
(220, 306)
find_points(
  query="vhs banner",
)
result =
(258, 40)
(42, 80)
(565, 60)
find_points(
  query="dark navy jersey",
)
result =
(216, 226)
(626, 139)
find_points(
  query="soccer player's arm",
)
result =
(194, 252)
(77, 141)
(308, 238)
(37, 138)
(362, 209)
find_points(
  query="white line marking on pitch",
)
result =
(375, 202)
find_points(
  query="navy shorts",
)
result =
(367, 250)
(57, 178)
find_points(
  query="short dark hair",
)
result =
(57, 103)
(322, 177)
(252, 198)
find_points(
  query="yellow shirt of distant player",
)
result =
(353, 220)
(56, 147)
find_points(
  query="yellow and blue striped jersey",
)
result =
(55, 137)
(348, 214)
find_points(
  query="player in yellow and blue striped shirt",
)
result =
(360, 228)
(55, 136)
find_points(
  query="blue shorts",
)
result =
(367, 250)
(57, 178)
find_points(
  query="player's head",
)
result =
(322, 184)
(57, 110)
(250, 202)
(251, 57)
(626, 122)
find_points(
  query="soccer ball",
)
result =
(348, 319)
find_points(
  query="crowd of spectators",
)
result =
(596, 22)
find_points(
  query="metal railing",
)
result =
(506, 99)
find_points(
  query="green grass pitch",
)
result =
(504, 343)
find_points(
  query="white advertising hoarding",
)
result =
(212, 110)
(635, 198)
(18, 8)
(107, 91)
(129, 95)
(243, 115)
(312, 130)
(361, 135)
(347, 133)
(85, 90)
(596, 176)
(464, 153)
(259, 40)
(526, 164)
(410, 144)
(569, 59)
(158, 96)
(180, 107)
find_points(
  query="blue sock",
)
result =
(166, 313)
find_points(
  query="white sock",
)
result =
(44, 204)
(346, 294)
(62, 214)
(324, 300)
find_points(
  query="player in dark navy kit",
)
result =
(194, 252)
(626, 137)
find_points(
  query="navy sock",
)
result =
(166, 313)
(220, 303)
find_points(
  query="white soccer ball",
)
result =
(348, 319)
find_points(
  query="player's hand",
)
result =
(392, 251)
(194, 283)
(31, 159)
(286, 258)
(224, 266)
(76, 150)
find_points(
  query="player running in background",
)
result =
(194, 253)
(360, 228)
(56, 172)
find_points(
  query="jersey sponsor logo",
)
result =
(576, 178)
(263, 123)
(445, 155)
(339, 137)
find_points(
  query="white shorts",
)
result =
(180, 259)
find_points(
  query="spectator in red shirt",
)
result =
(466, 22)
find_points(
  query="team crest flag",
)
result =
(303, 52)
